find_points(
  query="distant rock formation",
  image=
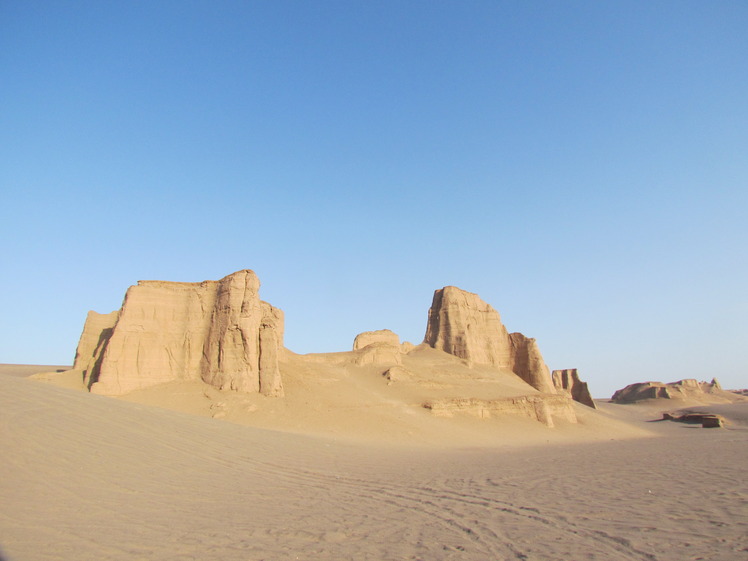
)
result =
(381, 336)
(688, 388)
(568, 381)
(706, 420)
(462, 324)
(217, 331)
(377, 347)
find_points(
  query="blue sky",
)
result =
(582, 166)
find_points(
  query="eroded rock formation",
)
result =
(381, 336)
(682, 389)
(543, 408)
(706, 420)
(462, 324)
(220, 332)
(568, 381)
(96, 334)
(217, 331)
(377, 347)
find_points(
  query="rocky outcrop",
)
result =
(377, 347)
(96, 334)
(462, 324)
(706, 420)
(542, 408)
(378, 353)
(367, 338)
(217, 331)
(528, 363)
(568, 381)
(682, 389)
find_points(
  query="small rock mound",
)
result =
(370, 337)
(706, 420)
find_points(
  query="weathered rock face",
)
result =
(462, 324)
(219, 331)
(568, 381)
(543, 408)
(688, 388)
(381, 336)
(528, 363)
(377, 347)
(96, 333)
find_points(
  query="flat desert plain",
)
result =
(88, 477)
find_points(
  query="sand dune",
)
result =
(90, 477)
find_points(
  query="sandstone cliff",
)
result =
(217, 331)
(568, 381)
(462, 324)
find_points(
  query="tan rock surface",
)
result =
(378, 353)
(96, 334)
(528, 363)
(217, 331)
(381, 336)
(688, 389)
(568, 381)
(462, 324)
(542, 408)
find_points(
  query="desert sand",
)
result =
(91, 477)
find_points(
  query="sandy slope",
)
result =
(332, 395)
(89, 477)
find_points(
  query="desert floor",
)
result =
(87, 477)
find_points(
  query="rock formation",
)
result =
(220, 332)
(568, 381)
(96, 334)
(706, 420)
(217, 331)
(543, 408)
(682, 389)
(462, 324)
(381, 336)
(377, 347)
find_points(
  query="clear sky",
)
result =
(582, 166)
